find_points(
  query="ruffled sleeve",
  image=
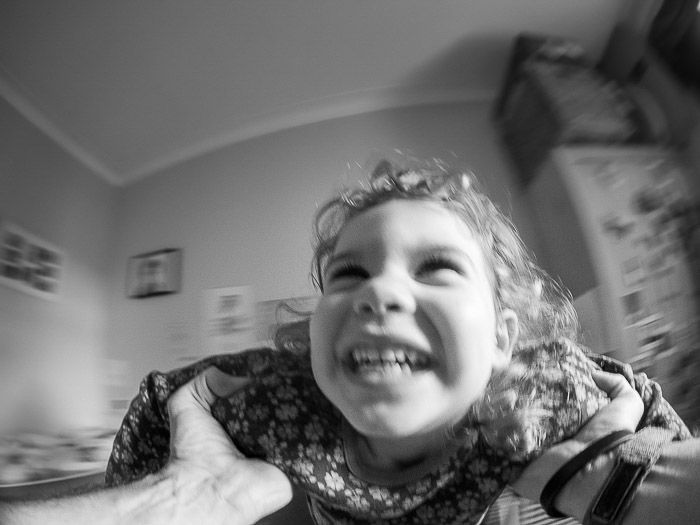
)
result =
(142, 443)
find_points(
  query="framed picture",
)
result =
(154, 273)
(28, 263)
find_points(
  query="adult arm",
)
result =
(667, 495)
(205, 476)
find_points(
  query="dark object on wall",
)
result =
(154, 273)
(557, 97)
(675, 34)
(529, 47)
(670, 107)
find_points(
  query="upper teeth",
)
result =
(374, 356)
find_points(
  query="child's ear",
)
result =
(507, 330)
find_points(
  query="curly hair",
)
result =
(544, 309)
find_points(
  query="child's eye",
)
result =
(439, 264)
(346, 271)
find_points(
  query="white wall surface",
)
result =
(51, 352)
(243, 216)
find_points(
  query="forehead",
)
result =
(407, 224)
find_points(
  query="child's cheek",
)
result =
(323, 333)
(325, 325)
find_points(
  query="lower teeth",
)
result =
(384, 368)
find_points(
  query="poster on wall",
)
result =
(28, 263)
(229, 319)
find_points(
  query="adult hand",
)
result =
(623, 412)
(212, 478)
(206, 478)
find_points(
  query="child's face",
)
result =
(404, 339)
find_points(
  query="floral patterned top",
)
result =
(283, 418)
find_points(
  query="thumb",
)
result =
(192, 427)
(221, 384)
(212, 383)
(266, 489)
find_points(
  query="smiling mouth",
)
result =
(386, 362)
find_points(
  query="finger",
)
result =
(194, 433)
(213, 383)
(613, 384)
(221, 384)
(623, 412)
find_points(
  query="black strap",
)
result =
(562, 476)
(635, 459)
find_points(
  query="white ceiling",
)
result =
(131, 87)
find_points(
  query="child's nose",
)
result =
(381, 295)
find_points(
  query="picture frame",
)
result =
(154, 273)
(28, 263)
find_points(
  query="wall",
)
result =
(242, 216)
(51, 351)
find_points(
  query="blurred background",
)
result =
(204, 136)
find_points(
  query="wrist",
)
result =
(577, 495)
(635, 458)
(580, 462)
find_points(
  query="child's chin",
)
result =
(391, 420)
(386, 427)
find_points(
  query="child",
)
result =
(440, 360)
